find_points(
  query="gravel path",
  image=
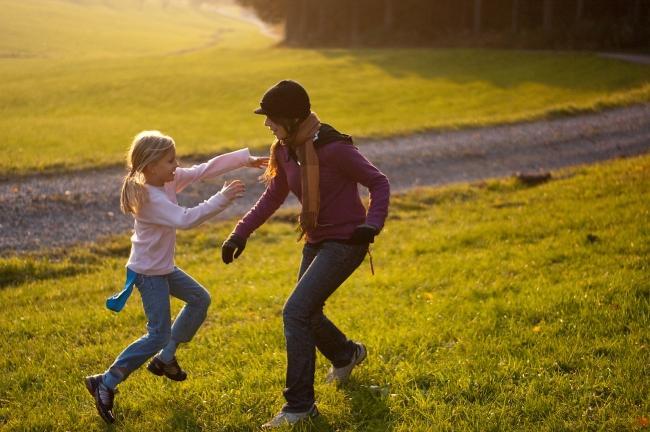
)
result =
(631, 58)
(38, 212)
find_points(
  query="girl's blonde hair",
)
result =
(147, 147)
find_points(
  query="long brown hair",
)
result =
(291, 126)
(147, 147)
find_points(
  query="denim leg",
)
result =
(191, 316)
(329, 340)
(305, 326)
(154, 291)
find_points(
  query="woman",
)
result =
(322, 168)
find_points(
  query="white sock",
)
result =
(169, 352)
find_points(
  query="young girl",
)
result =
(149, 193)
(323, 169)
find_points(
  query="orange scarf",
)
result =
(303, 144)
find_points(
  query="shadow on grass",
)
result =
(184, 420)
(319, 424)
(369, 408)
(60, 262)
(15, 273)
(501, 68)
(369, 411)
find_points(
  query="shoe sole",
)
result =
(361, 359)
(151, 367)
(89, 386)
(154, 370)
(356, 363)
(315, 413)
(92, 391)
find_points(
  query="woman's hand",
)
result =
(260, 162)
(232, 248)
(234, 189)
(363, 234)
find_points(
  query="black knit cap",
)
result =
(286, 99)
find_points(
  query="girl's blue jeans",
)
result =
(161, 335)
(325, 266)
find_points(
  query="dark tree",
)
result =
(477, 16)
(354, 22)
(389, 16)
(580, 6)
(514, 26)
(592, 24)
(548, 16)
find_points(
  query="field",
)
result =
(79, 79)
(495, 306)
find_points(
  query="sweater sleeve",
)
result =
(356, 167)
(210, 169)
(161, 211)
(272, 198)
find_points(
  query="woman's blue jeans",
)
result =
(161, 334)
(325, 266)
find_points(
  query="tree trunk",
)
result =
(548, 16)
(292, 23)
(580, 8)
(515, 16)
(636, 13)
(389, 15)
(304, 24)
(462, 12)
(477, 16)
(321, 20)
(354, 22)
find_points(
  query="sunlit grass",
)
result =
(73, 98)
(495, 307)
(55, 29)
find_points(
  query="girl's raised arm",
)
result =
(214, 167)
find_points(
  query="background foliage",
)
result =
(513, 23)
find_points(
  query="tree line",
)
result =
(592, 24)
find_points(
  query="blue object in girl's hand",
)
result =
(117, 301)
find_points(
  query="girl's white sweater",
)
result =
(154, 234)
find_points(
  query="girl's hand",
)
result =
(260, 162)
(234, 189)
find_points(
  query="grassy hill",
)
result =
(495, 307)
(98, 29)
(78, 79)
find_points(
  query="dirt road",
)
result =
(40, 212)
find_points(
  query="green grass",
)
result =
(79, 79)
(495, 307)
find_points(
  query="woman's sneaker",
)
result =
(342, 374)
(288, 418)
(103, 395)
(171, 370)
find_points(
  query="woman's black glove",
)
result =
(232, 248)
(363, 234)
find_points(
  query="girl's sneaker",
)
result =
(287, 418)
(171, 370)
(103, 395)
(343, 373)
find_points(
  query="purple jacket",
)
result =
(341, 167)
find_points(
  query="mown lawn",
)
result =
(75, 92)
(495, 306)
